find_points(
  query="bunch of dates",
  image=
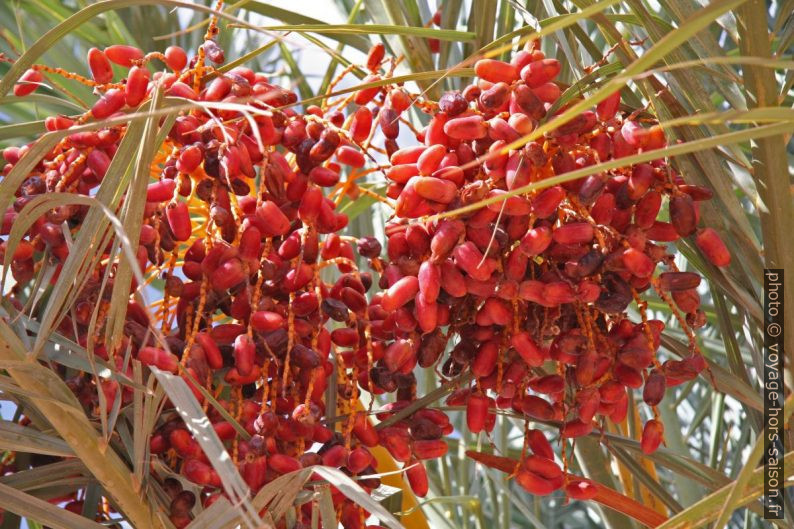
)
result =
(239, 225)
(528, 297)
(522, 303)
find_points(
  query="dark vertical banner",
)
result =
(773, 393)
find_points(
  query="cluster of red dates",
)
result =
(524, 302)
